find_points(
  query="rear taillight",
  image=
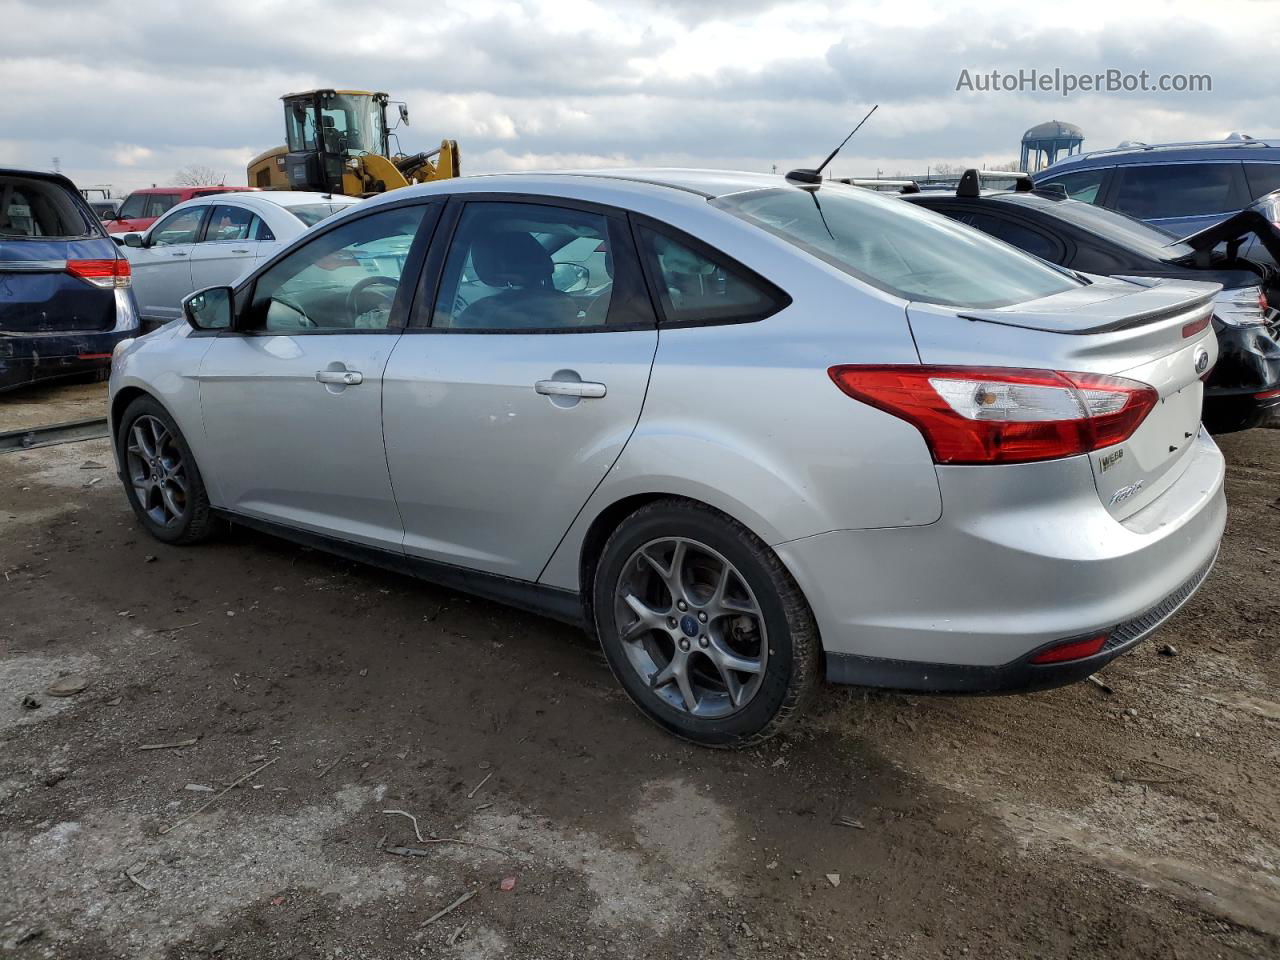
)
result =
(102, 273)
(1262, 301)
(1071, 650)
(975, 415)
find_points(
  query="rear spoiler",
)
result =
(1234, 231)
(971, 182)
(902, 186)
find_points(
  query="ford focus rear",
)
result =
(747, 432)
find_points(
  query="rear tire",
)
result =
(160, 476)
(703, 626)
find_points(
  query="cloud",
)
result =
(131, 156)
(545, 83)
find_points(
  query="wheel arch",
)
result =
(605, 521)
(120, 402)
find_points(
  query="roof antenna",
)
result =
(814, 177)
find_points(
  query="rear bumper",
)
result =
(1024, 556)
(1021, 675)
(30, 358)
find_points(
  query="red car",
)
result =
(142, 208)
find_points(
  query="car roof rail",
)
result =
(971, 182)
(1135, 146)
(902, 186)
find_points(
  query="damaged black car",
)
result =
(1243, 389)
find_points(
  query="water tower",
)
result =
(1046, 143)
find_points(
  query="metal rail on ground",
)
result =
(73, 431)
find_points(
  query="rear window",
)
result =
(38, 208)
(1119, 229)
(313, 213)
(898, 247)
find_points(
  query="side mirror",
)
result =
(133, 240)
(209, 309)
(570, 277)
(404, 113)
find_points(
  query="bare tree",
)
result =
(198, 175)
(1009, 165)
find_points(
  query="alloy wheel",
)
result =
(691, 627)
(157, 471)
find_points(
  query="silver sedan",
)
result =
(747, 432)
(215, 239)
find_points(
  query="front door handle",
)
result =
(347, 378)
(177, 253)
(570, 388)
(239, 251)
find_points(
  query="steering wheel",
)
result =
(354, 294)
(304, 322)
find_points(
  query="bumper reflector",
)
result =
(1071, 650)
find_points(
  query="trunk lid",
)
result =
(1159, 335)
(1235, 232)
(37, 295)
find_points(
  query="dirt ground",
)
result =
(44, 405)
(1075, 823)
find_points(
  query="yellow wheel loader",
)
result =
(339, 142)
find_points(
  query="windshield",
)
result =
(352, 124)
(313, 213)
(1132, 234)
(898, 247)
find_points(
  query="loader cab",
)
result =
(326, 128)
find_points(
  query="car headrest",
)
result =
(512, 259)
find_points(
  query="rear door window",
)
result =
(1263, 178)
(1166, 190)
(229, 223)
(37, 208)
(526, 267)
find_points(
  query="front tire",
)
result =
(703, 626)
(160, 475)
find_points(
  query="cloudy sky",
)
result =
(127, 91)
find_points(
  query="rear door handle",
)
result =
(570, 388)
(348, 378)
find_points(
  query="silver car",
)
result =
(748, 432)
(213, 239)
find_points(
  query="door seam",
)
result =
(657, 339)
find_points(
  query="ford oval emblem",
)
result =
(1202, 360)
